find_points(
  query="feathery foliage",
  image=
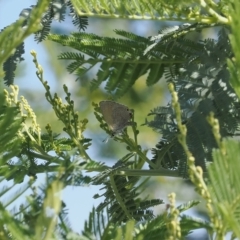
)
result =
(203, 86)
(100, 226)
(187, 10)
(122, 199)
(203, 79)
(12, 37)
(10, 65)
(198, 70)
(124, 61)
(224, 179)
(36, 19)
(10, 140)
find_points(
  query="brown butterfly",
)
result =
(116, 115)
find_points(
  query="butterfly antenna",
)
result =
(106, 140)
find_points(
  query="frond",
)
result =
(124, 61)
(13, 36)
(188, 222)
(99, 226)
(123, 201)
(56, 10)
(225, 184)
(45, 26)
(14, 196)
(151, 10)
(203, 86)
(64, 227)
(233, 63)
(10, 65)
(81, 22)
(59, 9)
(43, 13)
(156, 228)
(10, 142)
(185, 206)
(11, 226)
(96, 224)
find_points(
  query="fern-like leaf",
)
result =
(225, 188)
(122, 201)
(123, 61)
(139, 9)
(203, 86)
(10, 65)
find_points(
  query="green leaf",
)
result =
(225, 184)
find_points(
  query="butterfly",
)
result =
(116, 115)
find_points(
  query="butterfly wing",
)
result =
(106, 108)
(122, 115)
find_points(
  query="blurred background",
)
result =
(141, 98)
